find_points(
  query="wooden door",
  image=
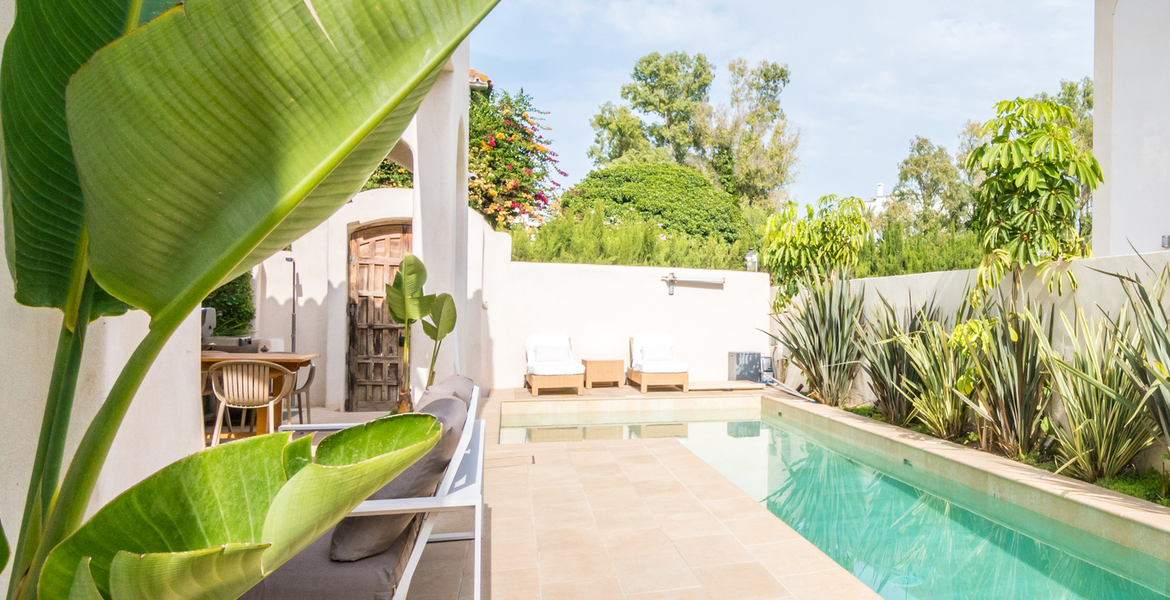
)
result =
(374, 356)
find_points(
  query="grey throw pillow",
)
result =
(356, 538)
(457, 386)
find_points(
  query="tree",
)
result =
(746, 146)
(677, 197)
(621, 137)
(1026, 210)
(1077, 97)
(930, 192)
(671, 88)
(827, 239)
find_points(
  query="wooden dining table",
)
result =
(290, 360)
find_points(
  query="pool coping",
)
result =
(1131, 522)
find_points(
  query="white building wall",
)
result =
(1131, 125)
(601, 306)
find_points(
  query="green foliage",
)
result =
(272, 498)
(259, 170)
(1152, 486)
(510, 158)
(828, 238)
(744, 146)
(390, 174)
(235, 306)
(870, 412)
(1013, 390)
(678, 197)
(887, 363)
(1105, 426)
(672, 88)
(930, 194)
(896, 253)
(408, 305)
(1146, 362)
(589, 237)
(1027, 205)
(822, 333)
(940, 364)
(441, 322)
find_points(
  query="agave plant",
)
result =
(1013, 394)
(886, 362)
(209, 136)
(940, 365)
(1106, 426)
(822, 332)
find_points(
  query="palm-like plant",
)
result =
(1106, 426)
(940, 364)
(822, 332)
(209, 136)
(1013, 394)
(886, 362)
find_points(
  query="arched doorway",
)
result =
(373, 357)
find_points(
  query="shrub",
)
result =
(1152, 485)
(679, 198)
(235, 306)
(1106, 427)
(886, 361)
(898, 254)
(822, 331)
(940, 365)
(825, 239)
(591, 238)
(389, 174)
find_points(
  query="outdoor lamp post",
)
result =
(752, 260)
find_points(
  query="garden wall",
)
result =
(600, 307)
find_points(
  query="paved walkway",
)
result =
(636, 519)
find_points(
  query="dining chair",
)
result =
(301, 397)
(248, 384)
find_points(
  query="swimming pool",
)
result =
(906, 543)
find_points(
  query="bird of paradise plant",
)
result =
(151, 153)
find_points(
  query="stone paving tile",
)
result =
(624, 520)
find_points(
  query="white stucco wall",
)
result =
(601, 306)
(322, 261)
(1131, 135)
(164, 424)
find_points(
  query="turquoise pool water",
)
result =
(906, 543)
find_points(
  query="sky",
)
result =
(866, 76)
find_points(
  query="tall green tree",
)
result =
(1077, 97)
(930, 193)
(1026, 209)
(745, 146)
(671, 88)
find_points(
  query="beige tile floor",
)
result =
(624, 519)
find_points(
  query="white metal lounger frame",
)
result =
(460, 489)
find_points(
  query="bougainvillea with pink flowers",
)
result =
(513, 167)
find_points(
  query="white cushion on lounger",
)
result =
(661, 366)
(568, 367)
(551, 354)
(657, 353)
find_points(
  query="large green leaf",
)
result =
(214, 524)
(405, 297)
(49, 41)
(3, 549)
(222, 131)
(442, 318)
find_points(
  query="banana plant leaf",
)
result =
(214, 524)
(43, 208)
(405, 296)
(222, 131)
(442, 318)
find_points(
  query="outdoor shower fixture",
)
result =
(293, 336)
(703, 281)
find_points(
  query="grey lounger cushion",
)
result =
(455, 385)
(311, 575)
(355, 538)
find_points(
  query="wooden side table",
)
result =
(604, 371)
